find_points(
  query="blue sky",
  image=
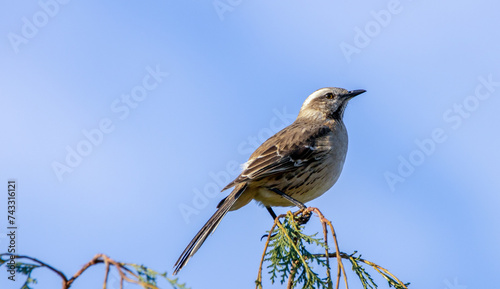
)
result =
(161, 100)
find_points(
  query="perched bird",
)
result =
(294, 166)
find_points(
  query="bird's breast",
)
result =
(310, 181)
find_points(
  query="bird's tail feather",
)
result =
(209, 227)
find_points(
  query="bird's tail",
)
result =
(209, 227)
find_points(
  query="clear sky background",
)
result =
(419, 193)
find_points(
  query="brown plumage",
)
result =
(303, 161)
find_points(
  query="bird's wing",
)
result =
(296, 145)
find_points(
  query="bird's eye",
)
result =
(329, 95)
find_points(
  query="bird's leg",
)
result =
(304, 218)
(292, 200)
(273, 214)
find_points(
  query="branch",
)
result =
(42, 264)
(286, 251)
(125, 273)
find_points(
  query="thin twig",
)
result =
(106, 274)
(61, 274)
(98, 259)
(292, 274)
(294, 247)
(378, 268)
(339, 261)
(121, 267)
(338, 254)
(92, 262)
(259, 275)
(340, 266)
(328, 273)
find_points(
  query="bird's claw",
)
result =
(303, 218)
(266, 235)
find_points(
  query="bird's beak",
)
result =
(353, 93)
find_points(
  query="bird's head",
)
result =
(327, 103)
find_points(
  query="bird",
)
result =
(296, 165)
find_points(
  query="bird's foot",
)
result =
(303, 216)
(267, 235)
